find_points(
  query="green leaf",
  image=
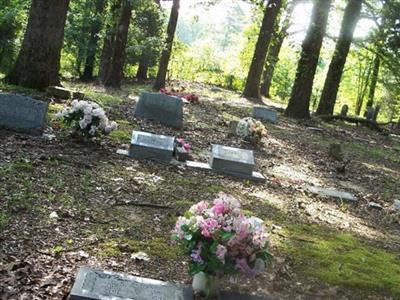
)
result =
(226, 235)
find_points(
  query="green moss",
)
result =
(109, 249)
(120, 136)
(160, 248)
(342, 259)
(3, 220)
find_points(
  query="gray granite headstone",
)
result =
(263, 113)
(22, 114)
(145, 145)
(344, 110)
(91, 284)
(232, 160)
(161, 108)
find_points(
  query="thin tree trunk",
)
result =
(362, 86)
(332, 81)
(116, 71)
(374, 80)
(252, 87)
(107, 50)
(38, 61)
(273, 52)
(166, 53)
(93, 41)
(299, 101)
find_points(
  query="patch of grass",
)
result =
(5, 87)
(109, 249)
(376, 152)
(342, 259)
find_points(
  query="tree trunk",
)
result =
(93, 40)
(299, 101)
(116, 71)
(38, 61)
(106, 53)
(374, 80)
(252, 87)
(273, 52)
(332, 81)
(141, 73)
(166, 53)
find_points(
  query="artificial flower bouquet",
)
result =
(191, 97)
(221, 240)
(251, 130)
(86, 118)
(182, 149)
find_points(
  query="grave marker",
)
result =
(145, 145)
(91, 284)
(265, 114)
(22, 114)
(325, 192)
(344, 110)
(161, 108)
(232, 160)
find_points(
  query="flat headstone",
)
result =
(22, 114)
(255, 176)
(92, 284)
(325, 192)
(145, 145)
(59, 92)
(263, 113)
(396, 205)
(232, 160)
(225, 295)
(375, 205)
(162, 108)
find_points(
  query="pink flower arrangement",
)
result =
(183, 145)
(220, 239)
(192, 98)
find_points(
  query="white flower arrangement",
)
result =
(86, 117)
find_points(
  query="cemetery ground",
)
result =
(65, 204)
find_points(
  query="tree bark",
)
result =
(107, 50)
(93, 41)
(299, 101)
(141, 73)
(166, 53)
(273, 52)
(332, 81)
(252, 87)
(374, 80)
(38, 61)
(116, 72)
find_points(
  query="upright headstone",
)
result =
(59, 92)
(344, 110)
(145, 145)
(232, 160)
(370, 113)
(92, 284)
(161, 108)
(265, 114)
(375, 113)
(22, 114)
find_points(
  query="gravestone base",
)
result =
(58, 92)
(254, 176)
(92, 284)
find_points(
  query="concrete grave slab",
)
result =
(332, 193)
